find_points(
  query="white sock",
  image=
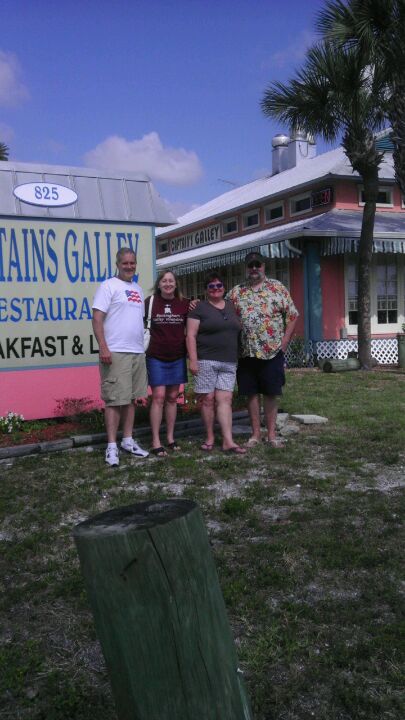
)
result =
(111, 446)
(127, 440)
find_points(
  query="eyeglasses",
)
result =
(215, 286)
(255, 264)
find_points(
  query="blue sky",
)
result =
(168, 88)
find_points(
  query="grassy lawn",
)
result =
(308, 543)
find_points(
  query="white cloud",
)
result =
(55, 147)
(174, 166)
(178, 208)
(13, 92)
(294, 53)
(6, 133)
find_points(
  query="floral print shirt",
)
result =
(264, 315)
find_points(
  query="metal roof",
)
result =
(327, 165)
(102, 195)
(338, 231)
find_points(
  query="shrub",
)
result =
(11, 422)
(70, 407)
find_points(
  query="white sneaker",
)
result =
(111, 457)
(134, 449)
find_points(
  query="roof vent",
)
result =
(280, 140)
(280, 153)
(301, 147)
(298, 134)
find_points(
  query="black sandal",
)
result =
(173, 446)
(159, 451)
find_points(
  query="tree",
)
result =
(376, 30)
(337, 92)
(3, 151)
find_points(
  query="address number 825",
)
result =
(46, 192)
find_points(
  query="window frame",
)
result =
(159, 251)
(376, 327)
(271, 207)
(246, 214)
(381, 188)
(296, 198)
(233, 218)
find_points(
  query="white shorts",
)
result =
(214, 375)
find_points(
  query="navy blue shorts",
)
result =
(166, 372)
(261, 377)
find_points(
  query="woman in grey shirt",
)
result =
(213, 330)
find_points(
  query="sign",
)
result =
(45, 194)
(195, 239)
(321, 197)
(49, 273)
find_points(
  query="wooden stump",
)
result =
(160, 615)
(340, 365)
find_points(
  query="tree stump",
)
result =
(333, 365)
(160, 615)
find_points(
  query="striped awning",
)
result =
(344, 245)
(273, 250)
(336, 231)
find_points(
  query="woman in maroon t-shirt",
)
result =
(166, 356)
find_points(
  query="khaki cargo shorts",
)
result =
(124, 380)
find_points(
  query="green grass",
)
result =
(308, 543)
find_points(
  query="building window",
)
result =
(282, 272)
(163, 247)
(236, 275)
(274, 212)
(352, 292)
(199, 285)
(300, 204)
(384, 197)
(387, 292)
(251, 219)
(229, 226)
(186, 283)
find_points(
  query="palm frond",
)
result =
(4, 151)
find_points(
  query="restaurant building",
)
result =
(305, 217)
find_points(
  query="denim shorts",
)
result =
(166, 372)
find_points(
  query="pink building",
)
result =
(306, 218)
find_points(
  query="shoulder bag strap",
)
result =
(149, 318)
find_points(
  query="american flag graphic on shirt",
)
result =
(133, 296)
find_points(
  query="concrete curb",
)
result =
(183, 429)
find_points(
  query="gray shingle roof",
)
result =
(102, 195)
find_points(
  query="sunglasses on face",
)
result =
(254, 264)
(215, 286)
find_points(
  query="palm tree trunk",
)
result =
(364, 267)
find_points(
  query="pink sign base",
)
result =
(35, 393)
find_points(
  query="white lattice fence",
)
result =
(300, 353)
(384, 350)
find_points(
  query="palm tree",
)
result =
(376, 29)
(3, 151)
(337, 93)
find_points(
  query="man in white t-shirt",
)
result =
(118, 311)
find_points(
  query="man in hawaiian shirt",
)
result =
(268, 316)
